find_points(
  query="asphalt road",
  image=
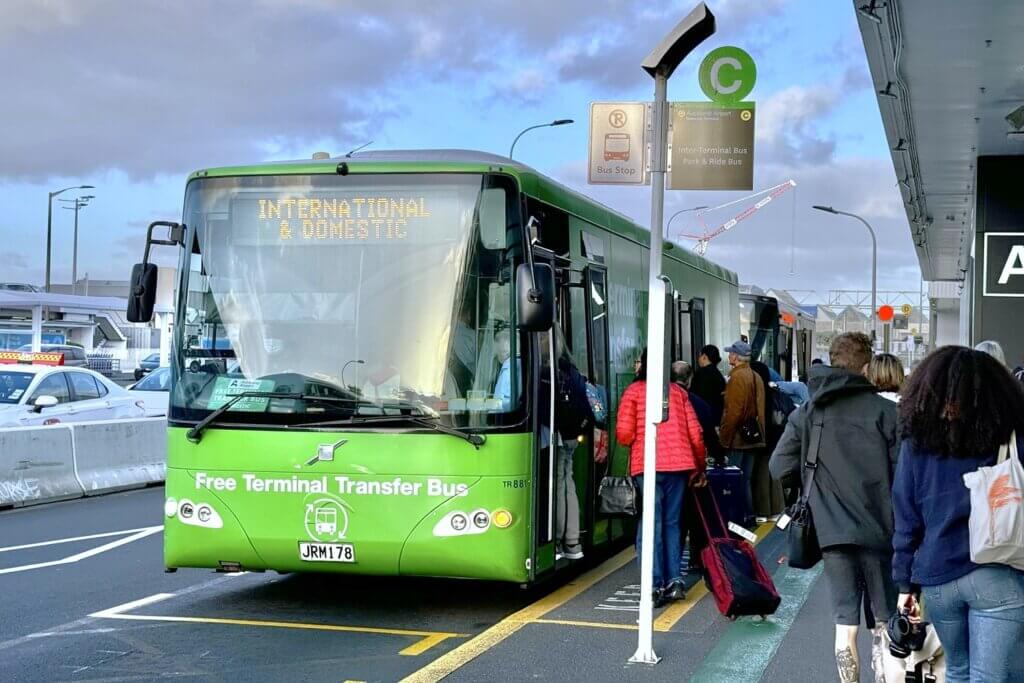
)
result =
(101, 608)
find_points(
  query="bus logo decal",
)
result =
(326, 520)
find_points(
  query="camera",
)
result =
(904, 635)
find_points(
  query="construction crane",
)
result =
(704, 240)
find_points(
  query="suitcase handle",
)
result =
(718, 513)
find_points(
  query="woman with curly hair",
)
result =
(958, 408)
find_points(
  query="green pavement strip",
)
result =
(748, 646)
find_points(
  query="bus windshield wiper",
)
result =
(195, 434)
(426, 421)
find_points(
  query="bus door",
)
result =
(545, 455)
(688, 328)
(598, 371)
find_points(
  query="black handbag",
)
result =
(804, 550)
(617, 497)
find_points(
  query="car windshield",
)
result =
(158, 380)
(13, 385)
(379, 294)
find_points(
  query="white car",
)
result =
(32, 395)
(153, 390)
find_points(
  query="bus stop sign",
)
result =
(618, 143)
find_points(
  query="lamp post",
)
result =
(556, 122)
(345, 366)
(693, 30)
(874, 265)
(49, 224)
(77, 203)
(668, 225)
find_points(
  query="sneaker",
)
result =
(573, 552)
(675, 591)
(659, 598)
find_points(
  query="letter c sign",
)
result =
(727, 75)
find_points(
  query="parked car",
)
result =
(33, 395)
(18, 287)
(74, 356)
(153, 390)
(147, 365)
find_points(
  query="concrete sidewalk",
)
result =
(586, 631)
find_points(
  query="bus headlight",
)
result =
(502, 519)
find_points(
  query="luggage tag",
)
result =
(783, 522)
(742, 533)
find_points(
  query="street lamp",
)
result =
(556, 122)
(78, 203)
(874, 265)
(668, 225)
(49, 224)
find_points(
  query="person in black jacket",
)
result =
(851, 494)
(708, 381)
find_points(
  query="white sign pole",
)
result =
(655, 370)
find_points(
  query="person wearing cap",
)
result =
(743, 429)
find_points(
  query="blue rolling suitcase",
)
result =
(727, 485)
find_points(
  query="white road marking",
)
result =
(74, 538)
(85, 554)
(129, 606)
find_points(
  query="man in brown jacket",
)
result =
(744, 408)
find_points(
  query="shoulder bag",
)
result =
(804, 551)
(617, 496)
(996, 524)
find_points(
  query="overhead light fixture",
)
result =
(1017, 136)
(901, 146)
(1016, 118)
(888, 92)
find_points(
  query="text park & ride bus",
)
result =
(379, 394)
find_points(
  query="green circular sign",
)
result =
(727, 75)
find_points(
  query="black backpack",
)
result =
(573, 414)
(780, 406)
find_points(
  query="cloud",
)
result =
(149, 87)
(786, 131)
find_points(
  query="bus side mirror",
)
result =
(142, 296)
(535, 296)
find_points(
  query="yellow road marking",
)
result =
(428, 639)
(588, 624)
(677, 610)
(471, 649)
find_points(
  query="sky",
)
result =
(132, 95)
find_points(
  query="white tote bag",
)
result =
(927, 664)
(997, 510)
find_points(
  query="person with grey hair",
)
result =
(993, 349)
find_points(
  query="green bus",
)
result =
(362, 377)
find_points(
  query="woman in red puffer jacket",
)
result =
(680, 460)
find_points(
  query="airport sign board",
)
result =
(1003, 264)
(711, 146)
(618, 143)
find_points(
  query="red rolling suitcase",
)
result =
(732, 572)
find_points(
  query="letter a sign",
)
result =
(1004, 264)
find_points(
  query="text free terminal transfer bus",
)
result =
(362, 377)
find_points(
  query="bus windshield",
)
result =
(369, 295)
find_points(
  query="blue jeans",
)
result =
(979, 619)
(670, 489)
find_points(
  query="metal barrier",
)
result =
(43, 464)
(105, 364)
